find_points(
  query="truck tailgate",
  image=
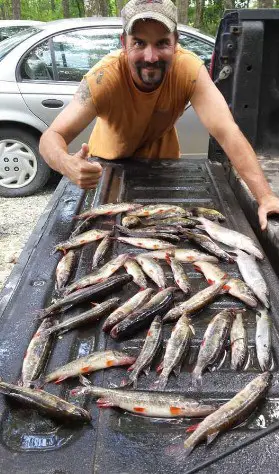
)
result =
(118, 442)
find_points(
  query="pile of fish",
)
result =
(162, 230)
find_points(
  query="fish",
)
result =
(252, 276)
(183, 255)
(145, 243)
(234, 286)
(196, 302)
(239, 343)
(87, 364)
(151, 403)
(81, 227)
(101, 250)
(263, 339)
(98, 275)
(108, 210)
(37, 353)
(177, 348)
(170, 221)
(229, 237)
(82, 239)
(134, 269)
(93, 292)
(205, 242)
(86, 317)
(143, 317)
(64, 269)
(130, 221)
(210, 214)
(155, 234)
(234, 411)
(212, 345)
(157, 210)
(152, 269)
(180, 277)
(137, 301)
(45, 402)
(149, 349)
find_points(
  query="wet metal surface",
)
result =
(117, 442)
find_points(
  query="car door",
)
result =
(193, 136)
(51, 71)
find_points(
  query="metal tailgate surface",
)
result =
(117, 442)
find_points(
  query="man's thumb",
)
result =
(84, 151)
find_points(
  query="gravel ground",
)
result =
(18, 217)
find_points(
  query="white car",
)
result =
(40, 70)
(9, 28)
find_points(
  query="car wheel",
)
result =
(22, 170)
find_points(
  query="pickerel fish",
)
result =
(93, 293)
(151, 345)
(229, 237)
(213, 343)
(143, 317)
(152, 269)
(205, 242)
(169, 221)
(234, 411)
(239, 343)
(109, 210)
(234, 286)
(137, 301)
(156, 404)
(146, 233)
(177, 348)
(263, 340)
(183, 255)
(101, 250)
(145, 243)
(88, 317)
(133, 269)
(45, 402)
(37, 353)
(82, 239)
(98, 275)
(210, 214)
(252, 276)
(196, 302)
(85, 365)
(157, 210)
(179, 275)
(64, 269)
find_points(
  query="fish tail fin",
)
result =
(162, 381)
(197, 379)
(84, 381)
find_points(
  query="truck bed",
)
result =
(117, 442)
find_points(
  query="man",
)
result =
(138, 94)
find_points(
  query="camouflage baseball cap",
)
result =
(163, 11)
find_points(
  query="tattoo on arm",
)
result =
(83, 93)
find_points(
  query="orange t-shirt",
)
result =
(133, 123)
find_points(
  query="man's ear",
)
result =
(123, 42)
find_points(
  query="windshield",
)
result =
(10, 43)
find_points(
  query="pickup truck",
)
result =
(245, 69)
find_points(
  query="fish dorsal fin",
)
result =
(211, 437)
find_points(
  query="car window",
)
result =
(37, 64)
(7, 31)
(10, 43)
(201, 48)
(77, 51)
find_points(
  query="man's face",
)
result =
(150, 50)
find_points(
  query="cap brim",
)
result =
(169, 24)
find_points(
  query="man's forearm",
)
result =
(54, 150)
(245, 161)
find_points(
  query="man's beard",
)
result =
(153, 77)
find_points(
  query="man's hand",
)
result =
(268, 204)
(80, 171)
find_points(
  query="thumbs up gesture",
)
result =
(80, 171)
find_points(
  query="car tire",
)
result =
(22, 170)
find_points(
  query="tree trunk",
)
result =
(66, 8)
(265, 3)
(52, 5)
(182, 9)
(199, 13)
(119, 6)
(16, 9)
(104, 7)
(80, 6)
(229, 4)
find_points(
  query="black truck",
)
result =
(246, 69)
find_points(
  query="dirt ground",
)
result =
(18, 217)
